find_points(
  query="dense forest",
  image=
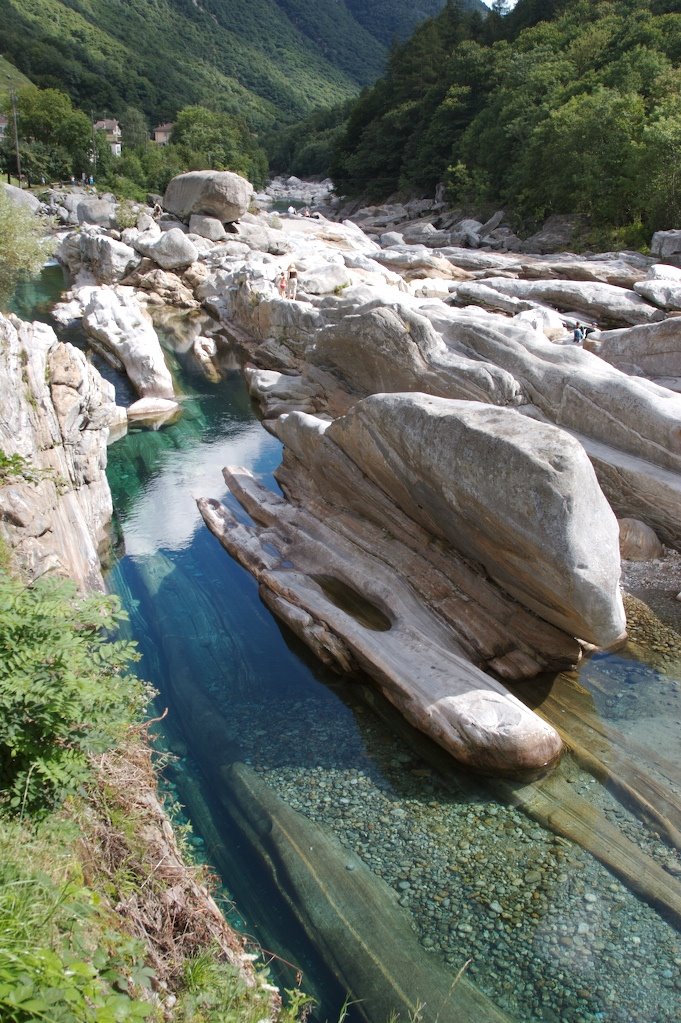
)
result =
(269, 61)
(559, 106)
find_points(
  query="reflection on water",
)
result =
(553, 935)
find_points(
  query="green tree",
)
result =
(63, 135)
(206, 139)
(134, 128)
(23, 249)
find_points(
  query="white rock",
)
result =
(170, 250)
(115, 318)
(220, 194)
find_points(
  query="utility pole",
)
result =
(13, 98)
(94, 145)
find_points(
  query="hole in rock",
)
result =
(353, 603)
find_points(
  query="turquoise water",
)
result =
(552, 934)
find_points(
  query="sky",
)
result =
(489, 3)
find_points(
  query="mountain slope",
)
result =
(269, 60)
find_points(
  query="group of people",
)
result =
(581, 332)
(288, 282)
(293, 212)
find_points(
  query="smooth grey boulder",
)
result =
(207, 227)
(571, 387)
(665, 293)
(22, 197)
(115, 318)
(651, 350)
(391, 239)
(170, 250)
(465, 232)
(279, 393)
(555, 234)
(101, 212)
(516, 495)
(396, 349)
(418, 261)
(305, 564)
(323, 278)
(638, 542)
(666, 243)
(604, 303)
(220, 194)
(251, 303)
(109, 260)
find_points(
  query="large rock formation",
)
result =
(114, 318)
(220, 194)
(356, 611)
(518, 496)
(56, 412)
(652, 350)
(170, 250)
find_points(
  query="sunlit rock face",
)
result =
(219, 194)
(518, 496)
(56, 412)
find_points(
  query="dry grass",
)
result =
(129, 851)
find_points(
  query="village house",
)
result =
(113, 133)
(161, 134)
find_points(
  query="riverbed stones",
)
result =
(219, 194)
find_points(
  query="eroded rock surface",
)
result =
(56, 412)
(114, 318)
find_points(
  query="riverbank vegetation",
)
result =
(567, 106)
(101, 919)
(24, 248)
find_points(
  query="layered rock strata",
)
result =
(56, 412)
(414, 467)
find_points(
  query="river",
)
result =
(552, 935)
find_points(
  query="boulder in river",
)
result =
(518, 496)
(115, 319)
(220, 194)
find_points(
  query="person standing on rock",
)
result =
(578, 334)
(281, 284)
(292, 281)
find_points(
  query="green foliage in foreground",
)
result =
(62, 957)
(23, 247)
(64, 693)
(66, 955)
(567, 106)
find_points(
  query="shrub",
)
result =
(63, 691)
(24, 248)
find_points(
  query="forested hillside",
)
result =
(270, 61)
(561, 106)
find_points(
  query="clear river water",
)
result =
(551, 934)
